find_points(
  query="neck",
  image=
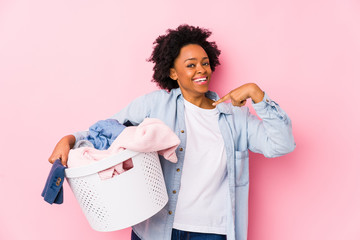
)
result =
(201, 101)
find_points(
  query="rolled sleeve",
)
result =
(269, 108)
(81, 135)
(272, 135)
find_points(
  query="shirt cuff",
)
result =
(268, 106)
(82, 135)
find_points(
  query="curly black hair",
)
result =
(167, 48)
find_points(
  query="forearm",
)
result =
(70, 139)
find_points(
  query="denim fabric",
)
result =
(241, 131)
(53, 191)
(183, 235)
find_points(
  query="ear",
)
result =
(173, 74)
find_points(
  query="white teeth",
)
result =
(200, 80)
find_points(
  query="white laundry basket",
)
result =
(125, 199)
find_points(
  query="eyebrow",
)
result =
(195, 59)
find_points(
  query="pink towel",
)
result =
(150, 136)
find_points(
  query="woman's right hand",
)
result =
(62, 149)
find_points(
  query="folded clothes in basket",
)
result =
(101, 136)
(150, 136)
(103, 133)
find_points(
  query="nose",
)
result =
(200, 68)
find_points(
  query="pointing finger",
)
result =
(223, 99)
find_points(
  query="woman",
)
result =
(208, 186)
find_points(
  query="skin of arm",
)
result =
(62, 149)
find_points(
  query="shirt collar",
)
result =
(221, 107)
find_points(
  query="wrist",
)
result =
(257, 95)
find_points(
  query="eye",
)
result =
(190, 65)
(206, 64)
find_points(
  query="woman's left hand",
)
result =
(239, 95)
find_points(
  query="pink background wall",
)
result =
(66, 64)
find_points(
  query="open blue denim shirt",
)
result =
(241, 130)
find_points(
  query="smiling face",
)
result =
(192, 71)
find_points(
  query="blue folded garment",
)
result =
(103, 133)
(53, 190)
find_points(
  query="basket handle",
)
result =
(100, 165)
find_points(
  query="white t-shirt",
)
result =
(201, 205)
